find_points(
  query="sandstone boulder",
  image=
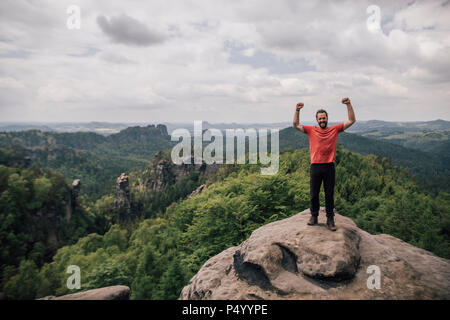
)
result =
(288, 259)
(107, 293)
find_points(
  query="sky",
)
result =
(223, 61)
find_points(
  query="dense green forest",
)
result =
(36, 217)
(95, 159)
(40, 212)
(157, 253)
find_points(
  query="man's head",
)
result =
(322, 118)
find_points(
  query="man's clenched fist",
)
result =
(346, 101)
(299, 105)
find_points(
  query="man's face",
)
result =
(322, 120)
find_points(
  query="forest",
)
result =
(171, 234)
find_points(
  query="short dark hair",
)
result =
(321, 111)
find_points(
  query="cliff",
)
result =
(162, 172)
(288, 259)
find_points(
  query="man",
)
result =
(322, 146)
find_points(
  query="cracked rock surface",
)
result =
(288, 259)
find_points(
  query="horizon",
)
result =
(204, 121)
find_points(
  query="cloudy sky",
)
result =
(223, 61)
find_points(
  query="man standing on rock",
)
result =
(322, 146)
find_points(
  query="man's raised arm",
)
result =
(351, 114)
(296, 123)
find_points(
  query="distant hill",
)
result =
(434, 141)
(389, 126)
(103, 128)
(107, 128)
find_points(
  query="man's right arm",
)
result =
(296, 124)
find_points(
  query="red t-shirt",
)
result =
(322, 142)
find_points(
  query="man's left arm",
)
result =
(351, 114)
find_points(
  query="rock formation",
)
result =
(106, 293)
(162, 129)
(162, 176)
(163, 173)
(288, 259)
(122, 203)
(76, 186)
(73, 199)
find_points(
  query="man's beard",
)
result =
(323, 125)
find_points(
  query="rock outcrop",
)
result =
(288, 259)
(76, 190)
(163, 172)
(122, 202)
(198, 190)
(73, 199)
(106, 293)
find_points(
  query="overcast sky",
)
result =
(223, 61)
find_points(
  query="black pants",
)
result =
(322, 172)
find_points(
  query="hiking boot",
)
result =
(312, 220)
(330, 223)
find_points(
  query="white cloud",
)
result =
(54, 92)
(11, 83)
(171, 60)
